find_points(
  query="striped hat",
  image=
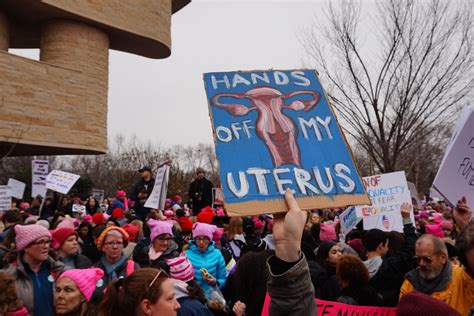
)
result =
(181, 268)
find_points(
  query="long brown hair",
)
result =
(125, 294)
(9, 301)
(235, 227)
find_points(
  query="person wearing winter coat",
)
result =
(66, 244)
(208, 262)
(200, 192)
(34, 270)
(387, 273)
(162, 245)
(353, 279)
(188, 293)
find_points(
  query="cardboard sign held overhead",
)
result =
(388, 192)
(39, 172)
(275, 130)
(157, 198)
(455, 177)
(61, 181)
(18, 188)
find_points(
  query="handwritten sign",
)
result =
(387, 193)
(455, 177)
(39, 172)
(98, 195)
(5, 198)
(78, 208)
(17, 188)
(158, 195)
(328, 308)
(349, 220)
(61, 181)
(275, 130)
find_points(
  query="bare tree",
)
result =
(393, 100)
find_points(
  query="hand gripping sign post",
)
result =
(275, 130)
(158, 195)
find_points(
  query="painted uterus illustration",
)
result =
(273, 127)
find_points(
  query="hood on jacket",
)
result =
(180, 289)
(373, 265)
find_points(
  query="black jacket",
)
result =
(142, 187)
(390, 276)
(363, 295)
(200, 194)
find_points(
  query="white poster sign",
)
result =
(61, 181)
(5, 198)
(349, 220)
(98, 195)
(18, 188)
(158, 195)
(455, 177)
(217, 196)
(387, 193)
(39, 172)
(78, 208)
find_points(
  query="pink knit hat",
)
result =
(121, 193)
(435, 230)
(66, 223)
(327, 232)
(424, 214)
(447, 225)
(158, 228)
(87, 218)
(85, 279)
(217, 235)
(26, 234)
(202, 229)
(181, 268)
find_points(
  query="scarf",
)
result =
(110, 269)
(430, 286)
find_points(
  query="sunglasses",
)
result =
(426, 259)
(156, 277)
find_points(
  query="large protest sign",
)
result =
(61, 181)
(455, 177)
(5, 198)
(98, 195)
(39, 172)
(17, 188)
(275, 130)
(328, 308)
(157, 197)
(387, 192)
(349, 220)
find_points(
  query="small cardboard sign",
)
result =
(157, 198)
(61, 181)
(275, 130)
(455, 177)
(39, 172)
(5, 198)
(349, 220)
(18, 188)
(388, 192)
(78, 208)
(98, 195)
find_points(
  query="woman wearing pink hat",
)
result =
(162, 245)
(73, 291)
(34, 270)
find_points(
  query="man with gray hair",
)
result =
(437, 277)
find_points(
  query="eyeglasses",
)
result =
(427, 259)
(113, 244)
(156, 277)
(41, 243)
(201, 239)
(163, 238)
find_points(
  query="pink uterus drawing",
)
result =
(273, 127)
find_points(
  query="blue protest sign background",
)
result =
(275, 130)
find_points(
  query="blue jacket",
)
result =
(211, 260)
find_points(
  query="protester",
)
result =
(162, 246)
(92, 205)
(234, 241)
(65, 242)
(120, 201)
(141, 191)
(10, 219)
(73, 291)
(33, 269)
(10, 304)
(327, 256)
(146, 291)
(208, 262)
(132, 232)
(200, 192)
(420, 304)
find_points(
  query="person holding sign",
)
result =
(141, 191)
(200, 192)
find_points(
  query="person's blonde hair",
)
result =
(235, 227)
(138, 223)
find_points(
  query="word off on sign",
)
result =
(275, 130)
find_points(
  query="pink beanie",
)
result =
(87, 218)
(202, 229)
(217, 235)
(159, 228)
(327, 232)
(181, 268)
(66, 223)
(26, 234)
(121, 193)
(435, 230)
(85, 279)
(447, 225)
(424, 214)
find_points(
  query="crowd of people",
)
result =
(122, 258)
